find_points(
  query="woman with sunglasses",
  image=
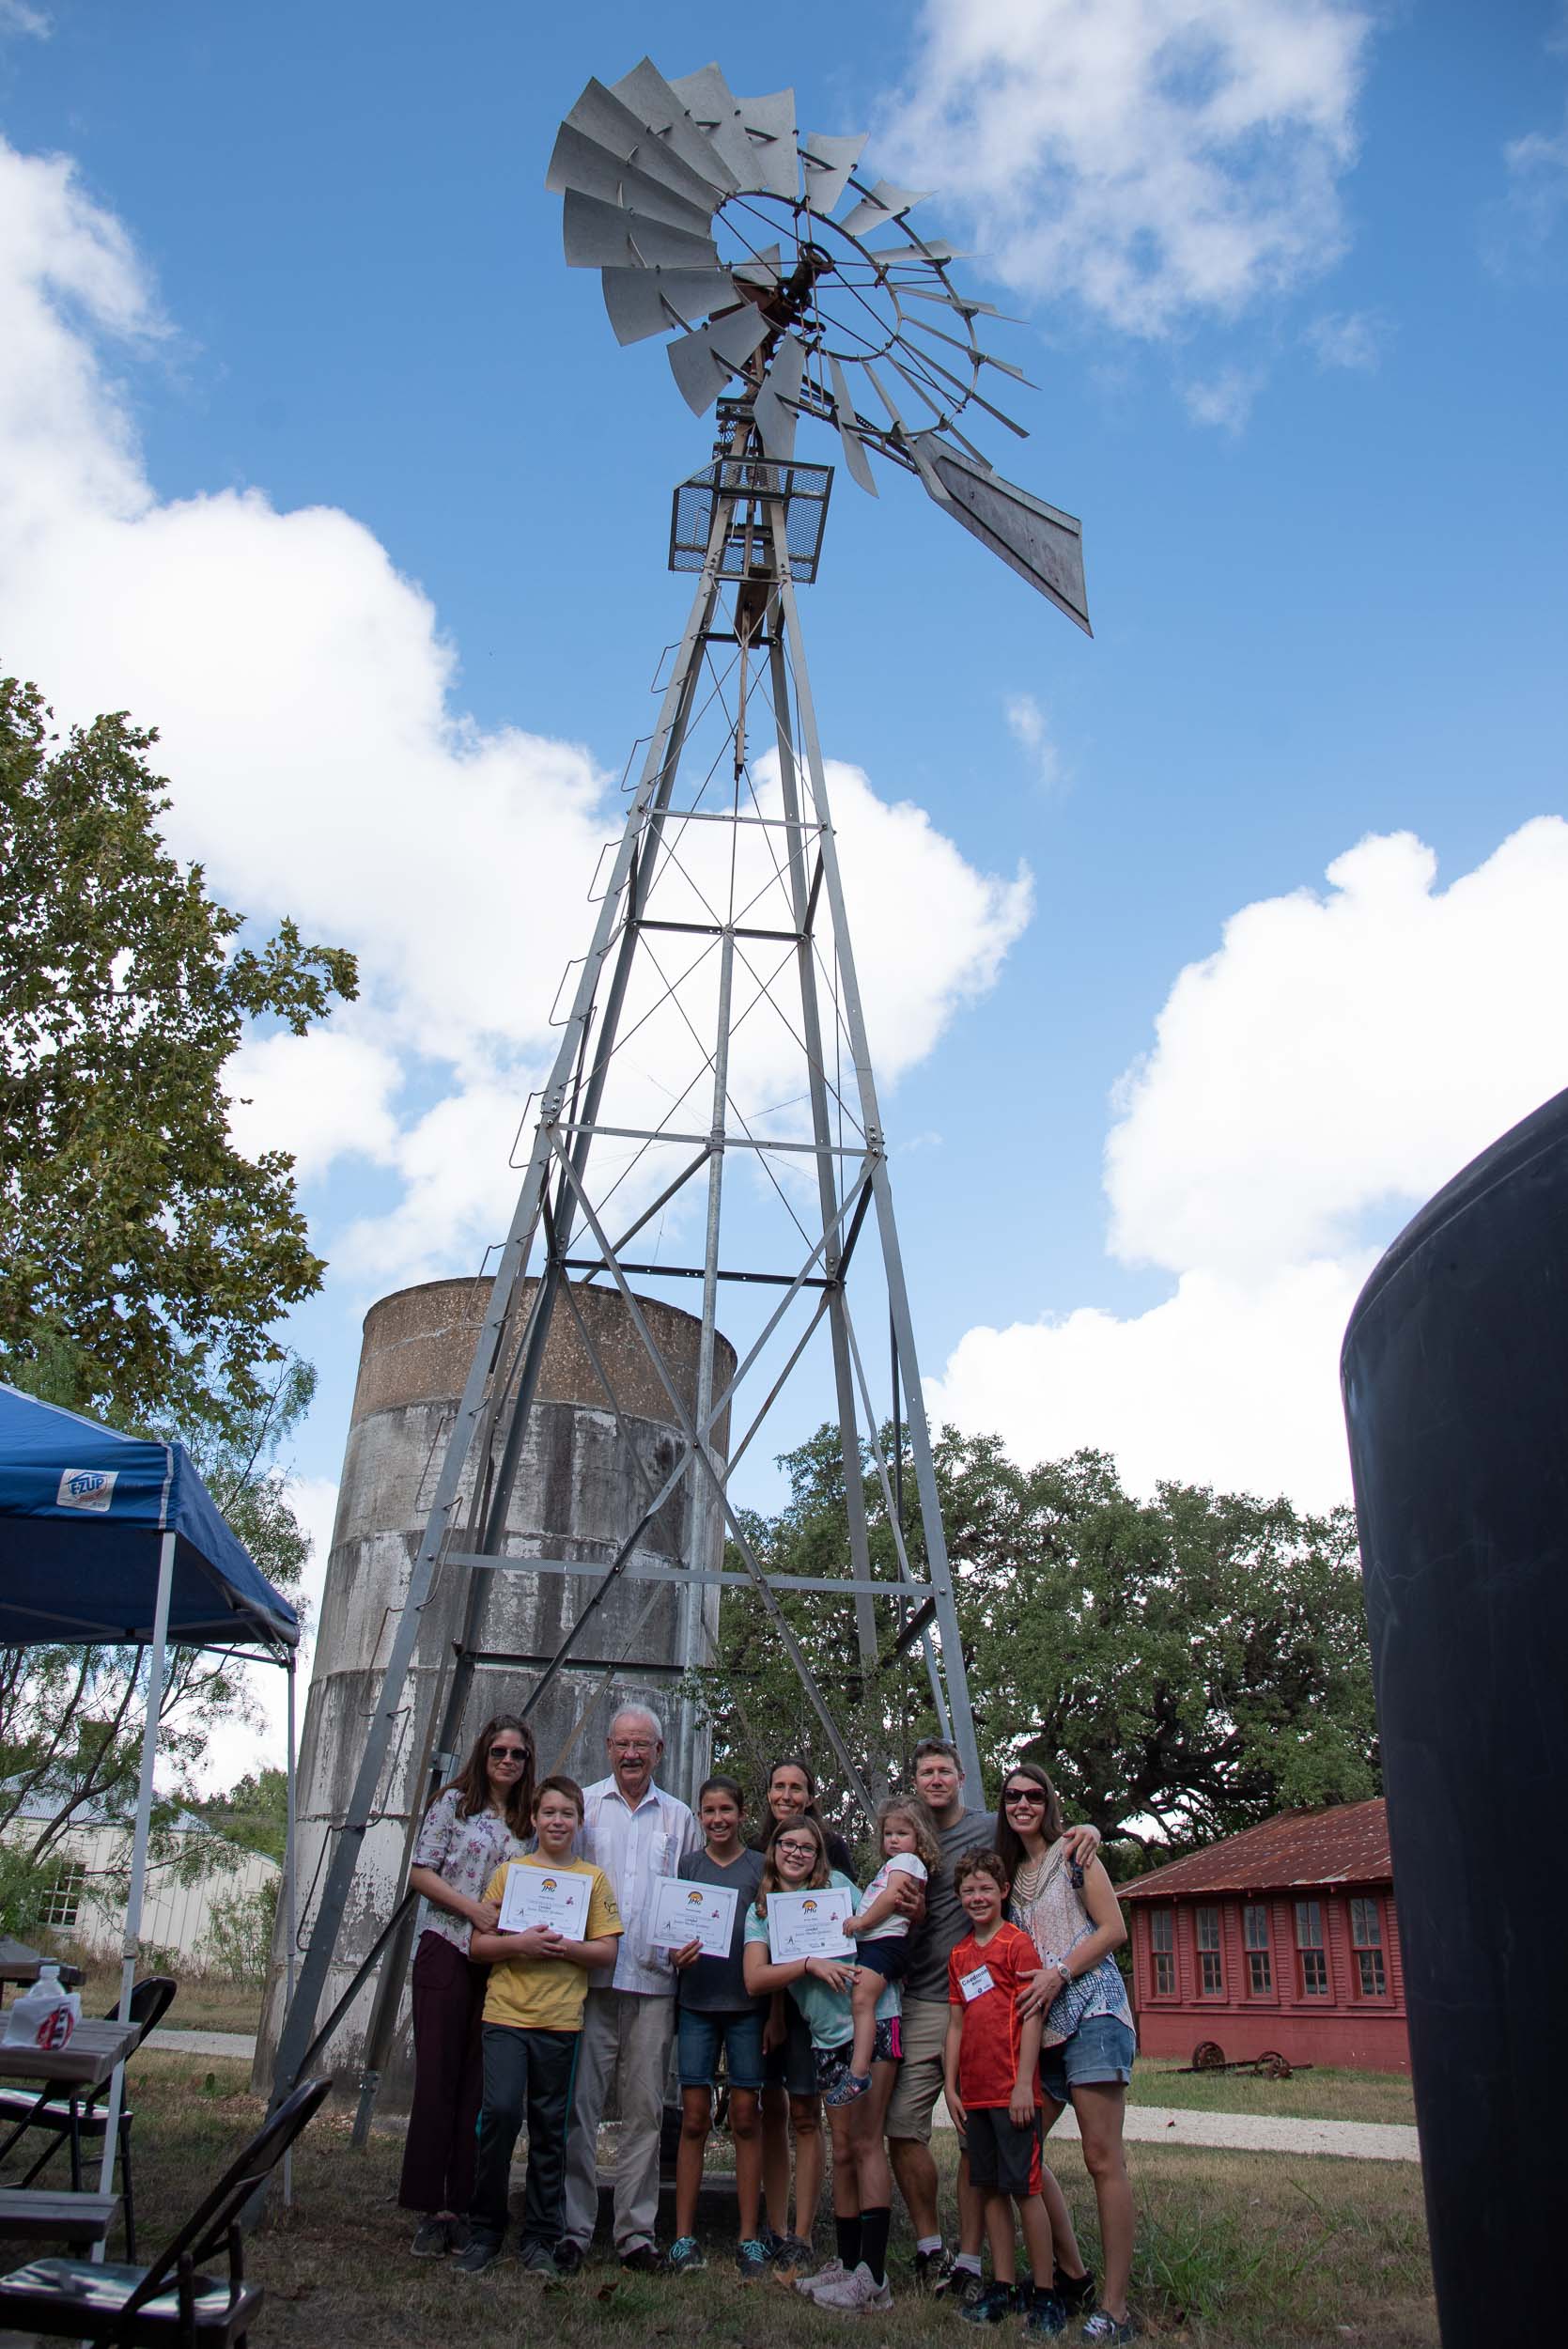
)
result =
(1073, 1919)
(474, 1826)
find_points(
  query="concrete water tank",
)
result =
(577, 1495)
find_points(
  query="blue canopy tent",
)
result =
(107, 1539)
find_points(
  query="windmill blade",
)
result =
(645, 302)
(961, 303)
(826, 165)
(885, 396)
(769, 126)
(844, 416)
(649, 95)
(884, 202)
(1039, 542)
(606, 236)
(713, 107)
(970, 350)
(897, 256)
(579, 162)
(703, 363)
(969, 393)
(765, 270)
(922, 391)
(776, 417)
(601, 116)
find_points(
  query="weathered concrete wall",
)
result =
(577, 1495)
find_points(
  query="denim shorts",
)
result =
(1099, 2051)
(701, 2036)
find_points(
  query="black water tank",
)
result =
(1455, 1375)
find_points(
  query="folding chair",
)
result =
(169, 2302)
(149, 2003)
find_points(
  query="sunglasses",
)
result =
(508, 1753)
(1024, 1794)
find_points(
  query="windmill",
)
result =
(711, 1116)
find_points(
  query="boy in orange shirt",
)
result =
(991, 2065)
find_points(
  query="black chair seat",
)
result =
(73, 2297)
(16, 2104)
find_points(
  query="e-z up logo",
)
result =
(87, 1489)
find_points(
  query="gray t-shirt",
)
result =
(932, 1944)
(717, 1985)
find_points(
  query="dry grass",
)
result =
(204, 2002)
(1319, 2093)
(1236, 2252)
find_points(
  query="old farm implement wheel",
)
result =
(1272, 2066)
(1208, 2055)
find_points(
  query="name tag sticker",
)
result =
(976, 1985)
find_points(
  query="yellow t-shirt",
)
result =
(547, 1993)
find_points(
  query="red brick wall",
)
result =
(1344, 2028)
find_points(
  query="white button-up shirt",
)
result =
(633, 1847)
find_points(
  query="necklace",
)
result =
(1026, 1884)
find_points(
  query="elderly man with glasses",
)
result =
(636, 1833)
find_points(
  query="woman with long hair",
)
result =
(789, 2098)
(482, 1819)
(797, 1861)
(1073, 1919)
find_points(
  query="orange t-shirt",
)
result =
(996, 1978)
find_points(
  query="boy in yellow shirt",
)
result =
(531, 2023)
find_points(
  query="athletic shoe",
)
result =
(858, 2292)
(1103, 2327)
(989, 2305)
(684, 2257)
(478, 2256)
(537, 2258)
(752, 2260)
(811, 2285)
(642, 2260)
(793, 2257)
(845, 2092)
(933, 2269)
(568, 2257)
(963, 2288)
(772, 2244)
(1044, 2315)
(1075, 2293)
(433, 2240)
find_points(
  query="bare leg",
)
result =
(805, 2112)
(1070, 2260)
(868, 1987)
(696, 2115)
(916, 2173)
(971, 2211)
(998, 2212)
(1036, 2238)
(746, 2135)
(1099, 2106)
(847, 2182)
(775, 2158)
(865, 2139)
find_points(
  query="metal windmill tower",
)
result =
(711, 1116)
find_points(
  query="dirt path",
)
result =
(1255, 2132)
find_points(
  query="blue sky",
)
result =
(316, 456)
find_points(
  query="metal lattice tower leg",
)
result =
(752, 900)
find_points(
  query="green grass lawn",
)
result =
(1236, 2252)
(1320, 2093)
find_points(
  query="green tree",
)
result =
(144, 1259)
(254, 1814)
(1184, 1666)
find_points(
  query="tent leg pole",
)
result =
(138, 1859)
(290, 1921)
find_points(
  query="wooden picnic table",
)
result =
(44, 2215)
(20, 1965)
(85, 2062)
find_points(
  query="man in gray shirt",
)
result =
(941, 1781)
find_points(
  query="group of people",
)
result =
(983, 1970)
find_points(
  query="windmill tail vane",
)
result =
(711, 1128)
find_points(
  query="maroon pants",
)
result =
(448, 2078)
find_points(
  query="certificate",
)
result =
(544, 1896)
(704, 1913)
(809, 1924)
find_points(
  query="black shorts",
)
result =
(792, 2067)
(1003, 2158)
(889, 1958)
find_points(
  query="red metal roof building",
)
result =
(1282, 1939)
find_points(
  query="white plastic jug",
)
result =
(45, 2016)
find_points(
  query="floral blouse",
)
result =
(1053, 1916)
(465, 1853)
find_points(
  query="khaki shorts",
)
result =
(919, 2074)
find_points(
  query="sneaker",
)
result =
(1102, 2327)
(683, 2258)
(845, 2092)
(989, 2305)
(812, 2286)
(1075, 2293)
(433, 2239)
(478, 2256)
(568, 2257)
(537, 2258)
(641, 2260)
(934, 2269)
(858, 2292)
(962, 2289)
(752, 2260)
(1044, 2314)
(772, 2244)
(793, 2257)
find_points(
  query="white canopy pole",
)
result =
(138, 1854)
(290, 1921)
